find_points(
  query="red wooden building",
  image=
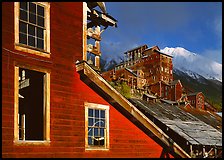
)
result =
(196, 100)
(176, 90)
(54, 104)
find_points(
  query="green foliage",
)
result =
(122, 88)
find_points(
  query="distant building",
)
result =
(196, 100)
(176, 90)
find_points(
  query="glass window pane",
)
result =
(96, 132)
(31, 41)
(90, 141)
(90, 131)
(32, 18)
(90, 112)
(97, 113)
(31, 30)
(90, 122)
(32, 7)
(22, 38)
(23, 27)
(23, 5)
(102, 124)
(40, 10)
(101, 142)
(23, 15)
(102, 132)
(40, 43)
(40, 21)
(102, 113)
(97, 122)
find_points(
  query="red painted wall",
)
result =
(199, 102)
(176, 91)
(67, 94)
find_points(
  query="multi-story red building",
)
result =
(54, 104)
(156, 66)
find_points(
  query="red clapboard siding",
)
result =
(67, 94)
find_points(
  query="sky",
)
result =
(195, 26)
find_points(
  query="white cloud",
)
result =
(218, 26)
(214, 54)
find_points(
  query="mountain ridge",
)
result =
(185, 60)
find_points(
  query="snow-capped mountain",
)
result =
(193, 64)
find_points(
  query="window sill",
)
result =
(25, 48)
(96, 149)
(30, 142)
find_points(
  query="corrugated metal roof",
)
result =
(183, 123)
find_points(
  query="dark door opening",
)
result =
(31, 104)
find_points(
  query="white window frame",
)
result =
(97, 106)
(25, 48)
(46, 105)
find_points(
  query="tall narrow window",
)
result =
(32, 105)
(32, 26)
(97, 126)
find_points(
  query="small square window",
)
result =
(31, 30)
(22, 38)
(40, 11)
(32, 7)
(40, 21)
(23, 5)
(23, 27)
(32, 18)
(40, 33)
(23, 15)
(31, 41)
(40, 43)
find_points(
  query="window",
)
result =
(32, 32)
(97, 126)
(32, 96)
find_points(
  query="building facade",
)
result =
(47, 109)
(196, 100)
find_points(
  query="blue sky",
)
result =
(195, 26)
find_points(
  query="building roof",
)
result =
(136, 48)
(184, 125)
(150, 96)
(163, 53)
(174, 82)
(168, 101)
(193, 94)
(210, 118)
(132, 72)
(159, 82)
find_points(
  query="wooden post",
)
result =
(84, 45)
(191, 151)
(97, 61)
(23, 126)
